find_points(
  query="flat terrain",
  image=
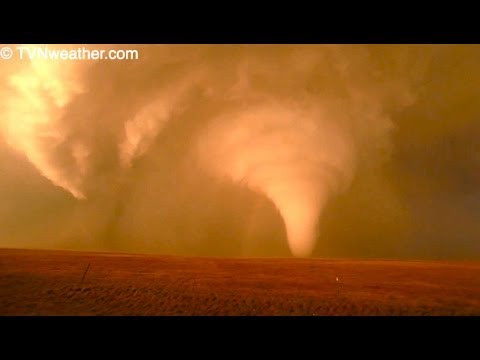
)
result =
(34, 282)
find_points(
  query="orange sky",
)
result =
(245, 150)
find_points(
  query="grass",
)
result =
(36, 282)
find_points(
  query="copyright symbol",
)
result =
(6, 53)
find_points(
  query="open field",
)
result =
(38, 282)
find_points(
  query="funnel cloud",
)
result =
(244, 150)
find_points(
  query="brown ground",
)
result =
(56, 283)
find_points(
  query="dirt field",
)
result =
(78, 283)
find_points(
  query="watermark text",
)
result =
(80, 53)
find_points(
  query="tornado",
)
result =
(293, 123)
(295, 156)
